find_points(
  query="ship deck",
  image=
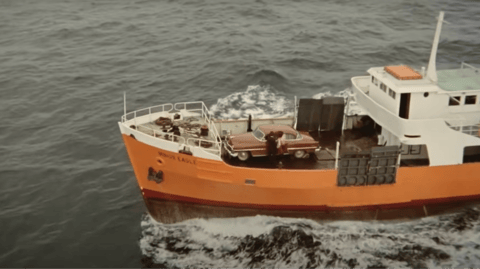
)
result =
(351, 142)
(459, 79)
(190, 135)
(189, 128)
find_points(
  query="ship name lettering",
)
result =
(178, 158)
(181, 159)
(166, 155)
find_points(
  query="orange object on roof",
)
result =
(403, 72)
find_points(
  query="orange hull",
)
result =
(194, 181)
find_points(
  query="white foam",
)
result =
(216, 242)
(259, 101)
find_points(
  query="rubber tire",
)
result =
(351, 181)
(361, 180)
(299, 154)
(380, 179)
(243, 155)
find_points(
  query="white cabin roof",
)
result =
(453, 80)
(401, 86)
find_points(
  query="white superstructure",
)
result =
(439, 110)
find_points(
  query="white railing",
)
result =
(207, 117)
(463, 65)
(472, 130)
(229, 149)
(207, 145)
(160, 134)
(199, 107)
(143, 112)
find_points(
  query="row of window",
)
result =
(384, 87)
(457, 100)
(454, 100)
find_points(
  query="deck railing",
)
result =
(207, 145)
(463, 65)
(207, 117)
(160, 134)
(142, 112)
(199, 107)
(461, 125)
(467, 129)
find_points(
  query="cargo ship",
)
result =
(411, 148)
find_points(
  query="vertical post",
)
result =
(150, 114)
(124, 104)
(295, 113)
(154, 134)
(336, 155)
(399, 155)
(347, 108)
(135, 119)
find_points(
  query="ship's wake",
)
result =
(442, 241)
(262, 101)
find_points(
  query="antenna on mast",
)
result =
(431, 69)
(124, 104)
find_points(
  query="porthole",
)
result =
(425, 95)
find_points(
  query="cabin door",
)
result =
(404, 105)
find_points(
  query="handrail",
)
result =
(229, 149)
(156, 134)
(470, 129)
(188, 103)
(467, 65)
(191, 141)
(124, 117)
(205, 114)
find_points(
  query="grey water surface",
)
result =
(68, 195)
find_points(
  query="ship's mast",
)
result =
(432, 70)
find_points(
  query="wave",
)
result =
(258, 101)
(442, 241)
(262, 102)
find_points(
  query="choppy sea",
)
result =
(68, 195)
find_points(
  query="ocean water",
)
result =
(68, 195)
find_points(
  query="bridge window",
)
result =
(470, 99)
(391, 93)
(454, 101)
(383, 87)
